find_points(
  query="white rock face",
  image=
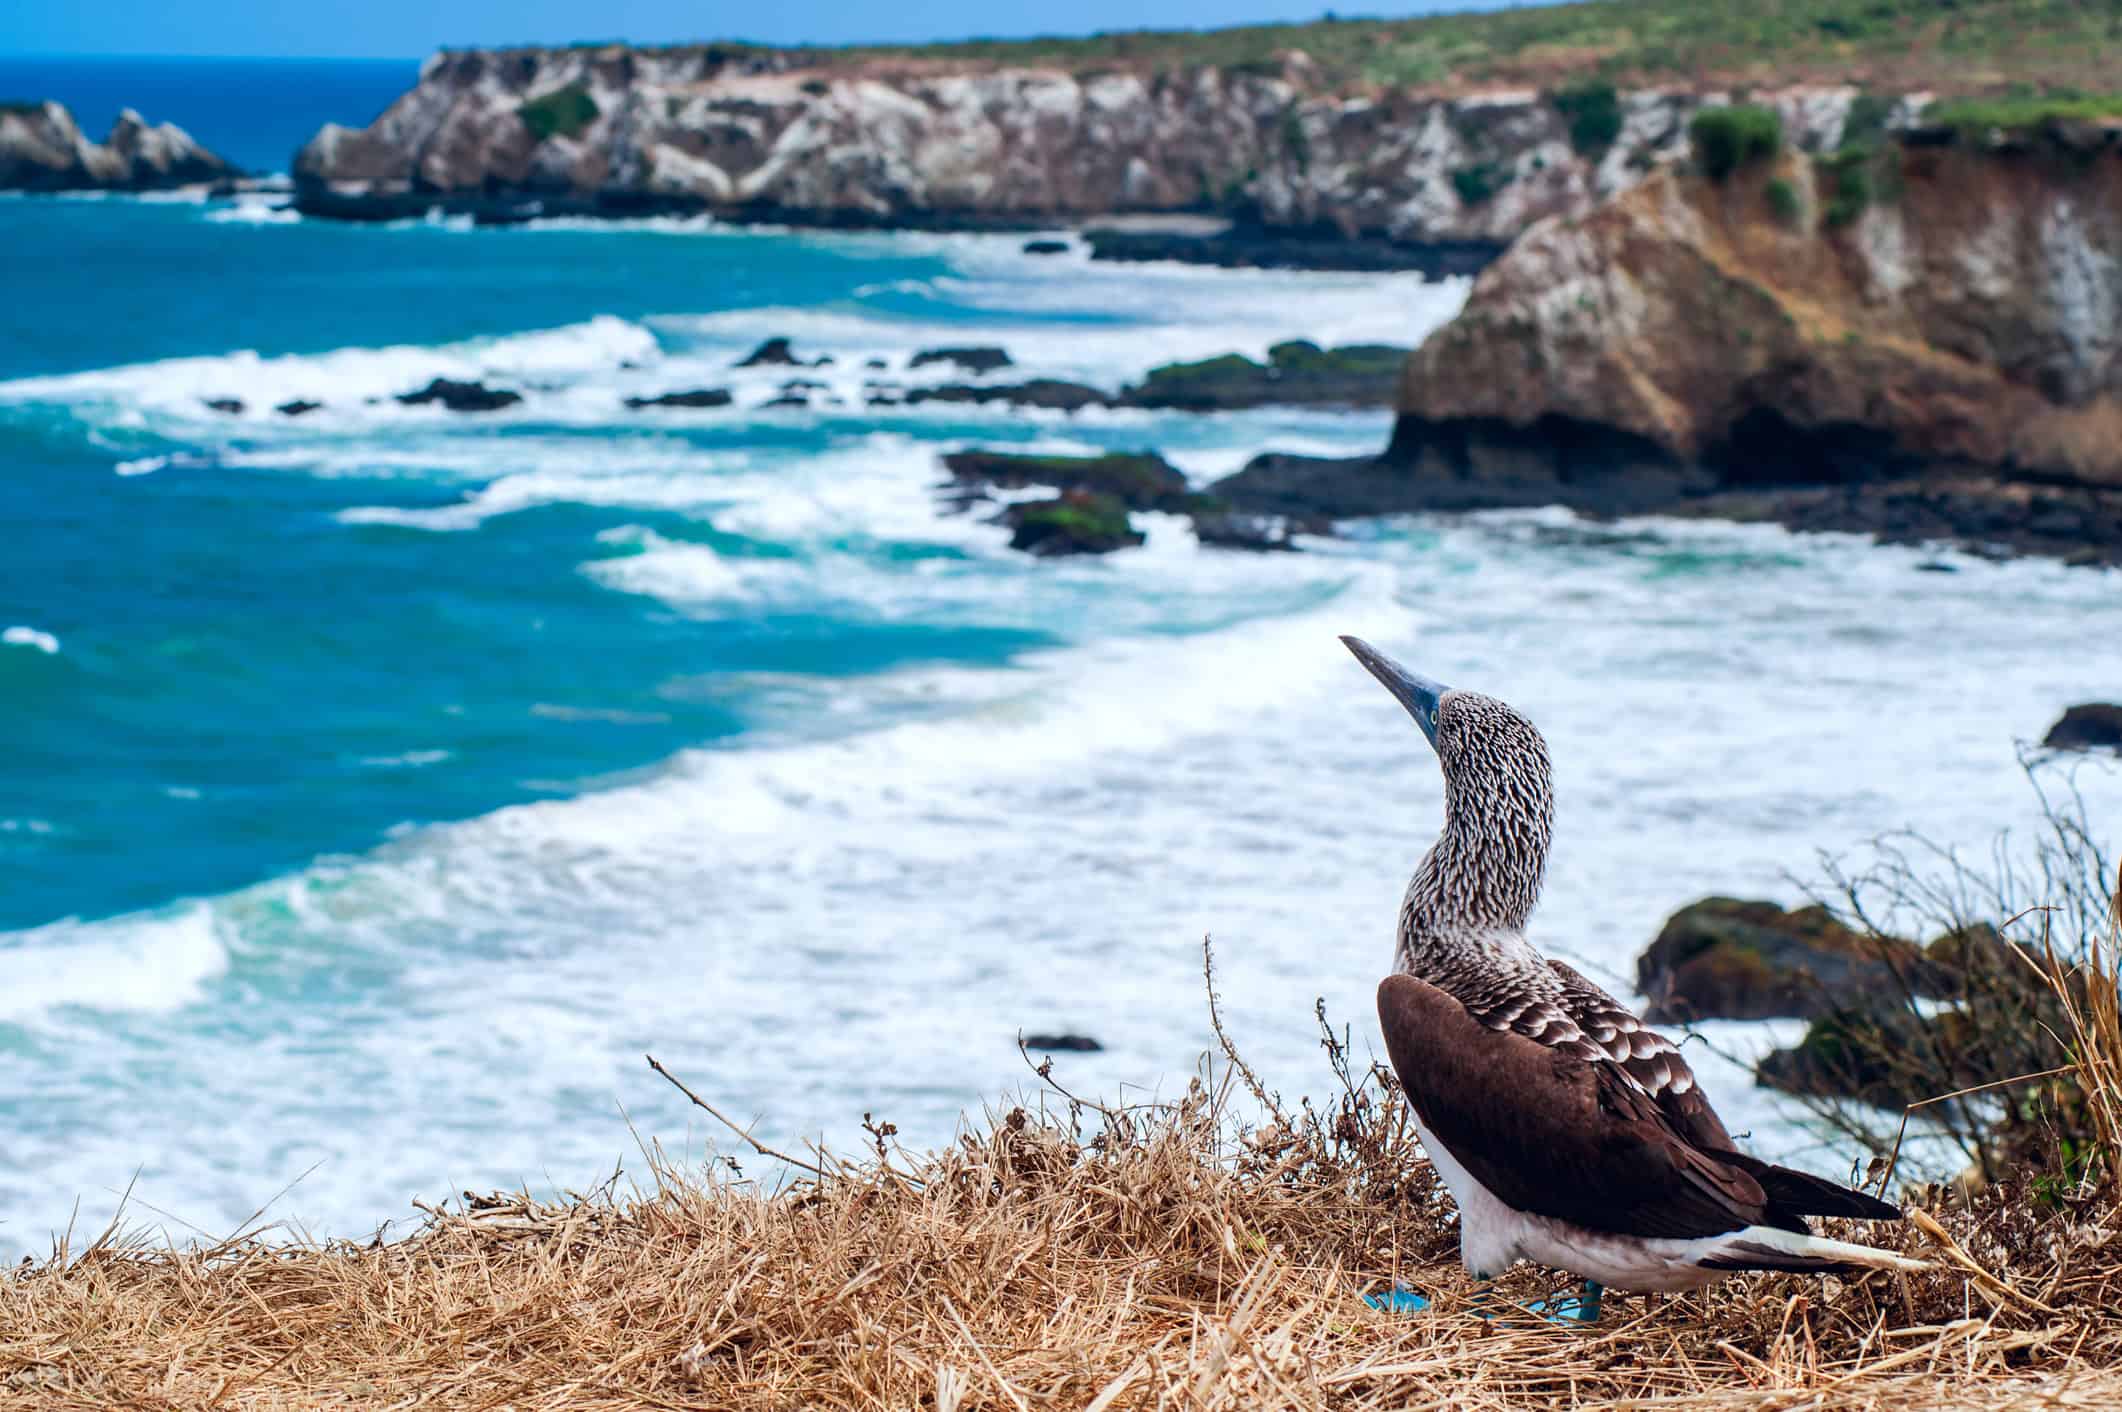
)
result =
(726, 130)
(43, 149)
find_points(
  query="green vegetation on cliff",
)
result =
(1898, 44)
(1726, 139)
(1594, 113)
(564, 112)
(2017, 113)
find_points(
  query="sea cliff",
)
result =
(42, 148)
(1278, 149)
(1922, 340)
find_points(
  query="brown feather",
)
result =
(1552, 1133)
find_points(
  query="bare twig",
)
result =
(757, 1146)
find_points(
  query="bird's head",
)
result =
(1492, 757)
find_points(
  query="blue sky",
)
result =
(412, 28)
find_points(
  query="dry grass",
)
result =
(1058, 1255)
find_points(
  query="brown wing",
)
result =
(1549, 1131)
(1646, 1056)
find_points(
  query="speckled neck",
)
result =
(1475, 889)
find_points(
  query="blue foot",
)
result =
(1580, 1308)
(1397, 1301)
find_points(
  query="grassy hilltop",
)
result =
(1947, 45)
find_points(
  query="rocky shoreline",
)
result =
(1877, 321)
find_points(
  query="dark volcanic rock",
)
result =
(1296, 373)
(1293, 248)
(1057, 1043)
(973, 360)
(1726, 959)
(1140, 480)
(462, 396)
(297, 407)
(1322, 487)
(230, 405)
(1077, 522)
(1046, 247)
(2093, 725)
(697, 397)
(1038, 392)
(775, 352)
(1225, 529)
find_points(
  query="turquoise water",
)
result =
(379, 784)
(215, 694)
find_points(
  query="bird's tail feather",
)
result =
(1807, 1195)
(1770, 1248)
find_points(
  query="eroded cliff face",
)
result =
(760, 134)
(1945, 359)
(42, 148)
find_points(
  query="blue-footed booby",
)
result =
(1568, 1133)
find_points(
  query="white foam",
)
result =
(409, 760)
(922, 863)
(20, 636)
(677, 573)
(344, 379)
(147, 963)
(256, 209)
(1195, 314)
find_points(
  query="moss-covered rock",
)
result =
(1722, 958)
(1298, 372)
(1138, 480)
(1053, 393)
(1078, 522)
(1881, 1058)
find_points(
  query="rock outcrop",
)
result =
(1096, 493)
(43, 149)
(1724, 959)
(2091, 725)
(1924, 342)
(693, 398)
(982, 359)
(462, 396)
(1075, 522)
(1297, 373)
(1429, 180)
(1140, 480)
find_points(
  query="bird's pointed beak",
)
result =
(1419, 695)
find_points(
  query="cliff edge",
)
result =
(1922, 340)
(791, 136)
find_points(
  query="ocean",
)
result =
(254, 112)
(382, 784)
